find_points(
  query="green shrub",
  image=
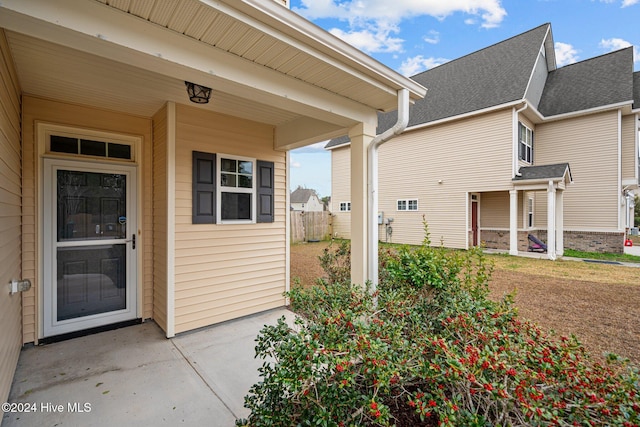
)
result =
(428, 346)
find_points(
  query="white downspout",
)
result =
(372, 178)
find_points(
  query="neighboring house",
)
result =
(306, 200)
(506, 144)
(121, 200)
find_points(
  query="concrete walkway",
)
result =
(134, 376)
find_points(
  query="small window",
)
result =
(525, 143)
(88, 147)
(530, 212)
(407, 205)
(345, 206)
(231, 189)
(236, 189)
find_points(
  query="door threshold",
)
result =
(90, 331)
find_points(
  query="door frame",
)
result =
(475, 204)
(43, 132)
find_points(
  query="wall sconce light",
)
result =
(198, 94)
(19, 286)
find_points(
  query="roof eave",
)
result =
(295, 26)
(625, 105)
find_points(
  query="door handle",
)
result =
(133, 241)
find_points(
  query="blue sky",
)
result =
(415, 35)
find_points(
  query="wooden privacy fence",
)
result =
(310, 226)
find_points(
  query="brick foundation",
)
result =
(593, 241)
(587, 241)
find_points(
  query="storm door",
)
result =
(89, 245)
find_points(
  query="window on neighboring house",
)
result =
(530, 212)
(525, 143)
(345, 206)
(407, 205)
(231, 189)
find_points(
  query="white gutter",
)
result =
(372, 177)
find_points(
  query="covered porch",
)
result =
(81, 76)
(552, 179)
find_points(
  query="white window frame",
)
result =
(530, 212)
(527, 143)
(225, 189)
(345, 206)
(408, 205)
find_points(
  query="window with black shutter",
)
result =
(204, 188)
(231, 189)
(265, 191)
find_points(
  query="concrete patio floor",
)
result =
(134, 376)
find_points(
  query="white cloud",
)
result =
(625, 3)
(565, 54)
(417, 64)
(491, 11)
(370, 41)
(433, 37)
(617, 44)
(372, 22)
(318, 147)
(294, 163)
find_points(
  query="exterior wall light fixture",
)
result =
(198, 94)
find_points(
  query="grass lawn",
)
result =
(599, 303)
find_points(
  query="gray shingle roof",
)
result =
(556, 171)
(302, 195)
(491, 76)
(595, 82)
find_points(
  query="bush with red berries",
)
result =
(429, 348)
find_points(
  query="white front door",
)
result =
(90, 232)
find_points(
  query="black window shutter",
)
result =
(204, 188)
(265, 191)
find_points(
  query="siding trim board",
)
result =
(171, 218)
(12, 239)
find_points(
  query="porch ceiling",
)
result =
(53, 71)
(264, 62)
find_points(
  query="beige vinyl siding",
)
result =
(223, 271)
(160, 218)
(10, 218)
(629, 153)
(50, 111)
(340, 191)
(470, 155)
(590, 145)
(494, 210)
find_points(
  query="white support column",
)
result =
(551, 221)
(559, 222)
(361, 136)
(513, 222)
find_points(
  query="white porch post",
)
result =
(513, 222)
(361, 136)
(559, 222)
(551, 221)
